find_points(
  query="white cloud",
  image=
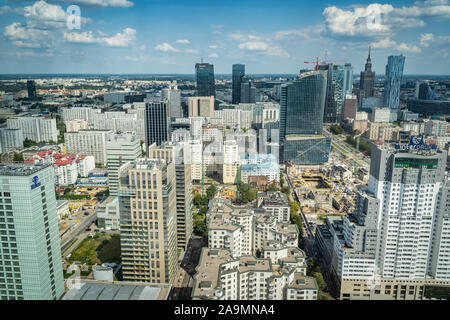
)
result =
(213, 55)
(22, 36)
(264, 47)
(408, 48)
(128, 58)
(213, 47)
(103, 3)
(124, 39)
(380, 20)
(384, 43)
(165, 47)
(185, 41)
(425, 38)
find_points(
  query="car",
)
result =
(86, 213)
(88, 229)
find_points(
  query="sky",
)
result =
(170, 36)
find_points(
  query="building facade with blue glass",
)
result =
(238, 73)
(393, 79)
(205, 79)
(30, 249)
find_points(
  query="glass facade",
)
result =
(302, 105)
(393, 78)
(303, 150)
(237, 75)
(30, 250)
(205, 79)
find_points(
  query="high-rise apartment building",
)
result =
(393, 78)
(120, 149)
(238, 73)
(173, 95)
(178, 153)
(348, 78)
(205, 79)
(201, 107)
(157, 123)
(367, 80)
(38, 129)
(148, 221)
(30, 254)
(89, 142)
(10, 139)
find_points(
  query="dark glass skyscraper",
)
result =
(367, 80)
(335, 92)
(248, 92)
(393, 79)
(157, 123)
(237, 75)
(205, 79)
(301, 119)
(302, 105)
(31, 86)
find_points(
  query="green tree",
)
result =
(18, 157)
(246, 193)
(272, 187)
(29, 143)
(320, 281)
(295, 206)
(200, 200)
(336, 129)
(211, 192)
(286, 190)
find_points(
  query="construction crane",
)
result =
(324, 61)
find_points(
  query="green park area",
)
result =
(98, 250)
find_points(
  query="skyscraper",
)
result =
(238, 73)
(173, 95)
(120, 149)
(248, 92)
(335, 93)
(201, 107)
(205, 79)
(367, 80)
(31, 87)
(179, 154)
(148, 221)
(157, 123)
(399, 230)
(348, 78)
(30, 255)
(393, 78)
(301, 113)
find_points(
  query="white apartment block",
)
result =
(230, 162)
(436, 128)
(276, 204)
(37, 129)
(89, 142)
(10, 139)
(80, 113)
(235, 118)
(76, 125)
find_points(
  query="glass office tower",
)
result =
(205, 79)
(301, 117)
(393, 78)
(237, 75)
(30, 249)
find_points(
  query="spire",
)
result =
(368, 59)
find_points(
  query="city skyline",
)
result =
(122, 37)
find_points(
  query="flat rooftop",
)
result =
(102, 290)
(21, 169)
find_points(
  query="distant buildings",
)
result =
(157, 123)
(367, 80)
(204, 73)
(173, 95)
(238, 72)
(393, 78)
(260, 165)
(108, 214)
(31, 87)
(148, 221)
(38, 129)
(248, 92)
(31, 263)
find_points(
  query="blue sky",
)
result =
(170, 36)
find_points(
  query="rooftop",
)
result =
(20, 169)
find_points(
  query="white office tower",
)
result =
(30, 254)
(196, 160)
(120, 149)
(89, 142)
(173, 95)
(38, 129)
(230, 161)
(196, 127)
(400, 228)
